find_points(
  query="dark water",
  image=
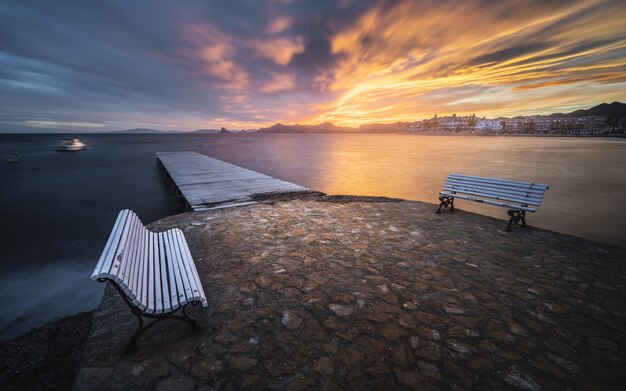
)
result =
(57, 209)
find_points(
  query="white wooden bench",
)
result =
(519, 197)
(153, 272)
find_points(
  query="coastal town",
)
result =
(533, 125)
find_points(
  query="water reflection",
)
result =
(586, 176)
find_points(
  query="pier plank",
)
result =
(207, 182)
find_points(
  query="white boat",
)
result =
(71, 144)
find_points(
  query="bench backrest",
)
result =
(155, 270)
(522, 193)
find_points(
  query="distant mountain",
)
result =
(327, 127)
(142, 131)
(398, 127)
(609, 110)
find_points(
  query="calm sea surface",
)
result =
(57, 209)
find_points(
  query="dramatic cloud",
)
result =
(279, 82)
(110, 65)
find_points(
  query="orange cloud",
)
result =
(216, 51)
(279, 82)
(279, 50)
(544, 84)
(279, 24)
(415, 59)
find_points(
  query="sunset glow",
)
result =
(110, 66)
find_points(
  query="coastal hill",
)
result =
(608, 110)
(327, 127)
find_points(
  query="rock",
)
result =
(520, 380)
(411, 379)
(517, 329)
(468, 297)
(301, 384)
(242, 363)
(392, 331)
(402, 356)
(313, 331)
(454, 310)
(324, 366)
(207, 370)
(149, 370)
(334, 324)
(331, 386)
(224, 337)
(291, 320)
(481, 364)
(429, 369)
(429, 350)
(460, 347)
(180, 383)
(566, 364)
(340, 309)
(352, 358)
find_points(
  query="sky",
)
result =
(89, 66)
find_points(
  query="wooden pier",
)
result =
(208, 183)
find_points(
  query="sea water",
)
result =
(57, 209)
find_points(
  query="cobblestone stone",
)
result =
(375, 295)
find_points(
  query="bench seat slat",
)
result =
(133, 286)
(192, 294)
(199, 295)
(106, 258)
(530, 191)
(130, 261)
(173, 283)
(111, 264)
(140, 277)
(186, 287)
(146, 273)
(123, 260)
(499, 181)
(158, 288)
(150, 292)
(179, 293)
(487, 194)
(511, 206)
(167, 307)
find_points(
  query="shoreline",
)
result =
(47, 355)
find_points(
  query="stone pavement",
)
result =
(380, 295)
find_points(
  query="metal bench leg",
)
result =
(157, 317)
(516, 216)
(133, 341)
(445, 202)
(186, 318)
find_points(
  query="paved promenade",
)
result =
(381, 295)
